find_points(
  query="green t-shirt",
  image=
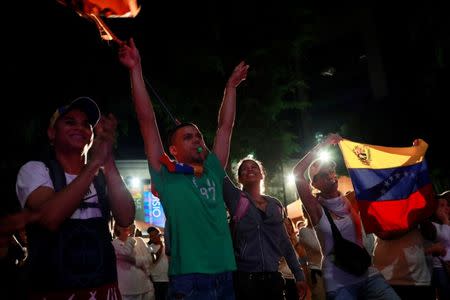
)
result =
(200, 240)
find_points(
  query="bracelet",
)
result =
(303, 261)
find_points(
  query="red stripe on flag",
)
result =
(388, 219)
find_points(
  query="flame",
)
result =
(96, 9)
(104, 8)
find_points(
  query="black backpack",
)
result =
(80, 253)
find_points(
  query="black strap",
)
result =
(102, 194)
(57, 174)
(58, 177)
(336, 233)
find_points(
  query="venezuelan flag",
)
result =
(392, 185)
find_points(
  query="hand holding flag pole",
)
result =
(104, 30)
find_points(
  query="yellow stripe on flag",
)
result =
(358, 155)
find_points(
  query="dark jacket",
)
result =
(260, 238)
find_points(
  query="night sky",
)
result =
(59, 56)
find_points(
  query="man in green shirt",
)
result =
(201, 252)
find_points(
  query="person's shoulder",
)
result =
(278, 204)
(211, 157)
(32, 166)
(140, 241)
(273, 199)
(228, 183)
(212, 162)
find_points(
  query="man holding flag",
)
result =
(394, 194)
(317, 186)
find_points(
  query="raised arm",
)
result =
(304, 188)
(121, 201)
(130, 58)
(227, 113)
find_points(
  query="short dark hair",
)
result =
(444, 195)
(171, 132)
(152, 228)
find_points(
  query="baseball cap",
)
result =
(318, 165)
(85, 104)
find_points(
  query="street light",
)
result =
(290, 179)
(135, 182)
(325, 156)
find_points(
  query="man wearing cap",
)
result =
(317, 186)
(70, 250)
(201, 252)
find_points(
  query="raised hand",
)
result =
(333, 139)
(129, 55)
(239, 74)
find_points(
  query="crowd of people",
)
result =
(222, 240)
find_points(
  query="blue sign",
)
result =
(153, 211)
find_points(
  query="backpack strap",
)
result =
(102, 194)
(244, 204)
(335, 231)
(58, 177)
(57, 174)
(242, 207)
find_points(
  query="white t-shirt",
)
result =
(335, 278)
(442, 236)
(159, 270)
(133, 278)
(402, 261)
(35, 174)
(309, 241)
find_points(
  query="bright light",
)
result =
(250, 156)
(135, 182)
(290, 179)
(325, 156)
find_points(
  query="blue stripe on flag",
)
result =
(389, 184)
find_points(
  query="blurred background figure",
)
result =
(308, 239)
(160, 263)
(290, 289)
(437, 230)
(133, 265)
